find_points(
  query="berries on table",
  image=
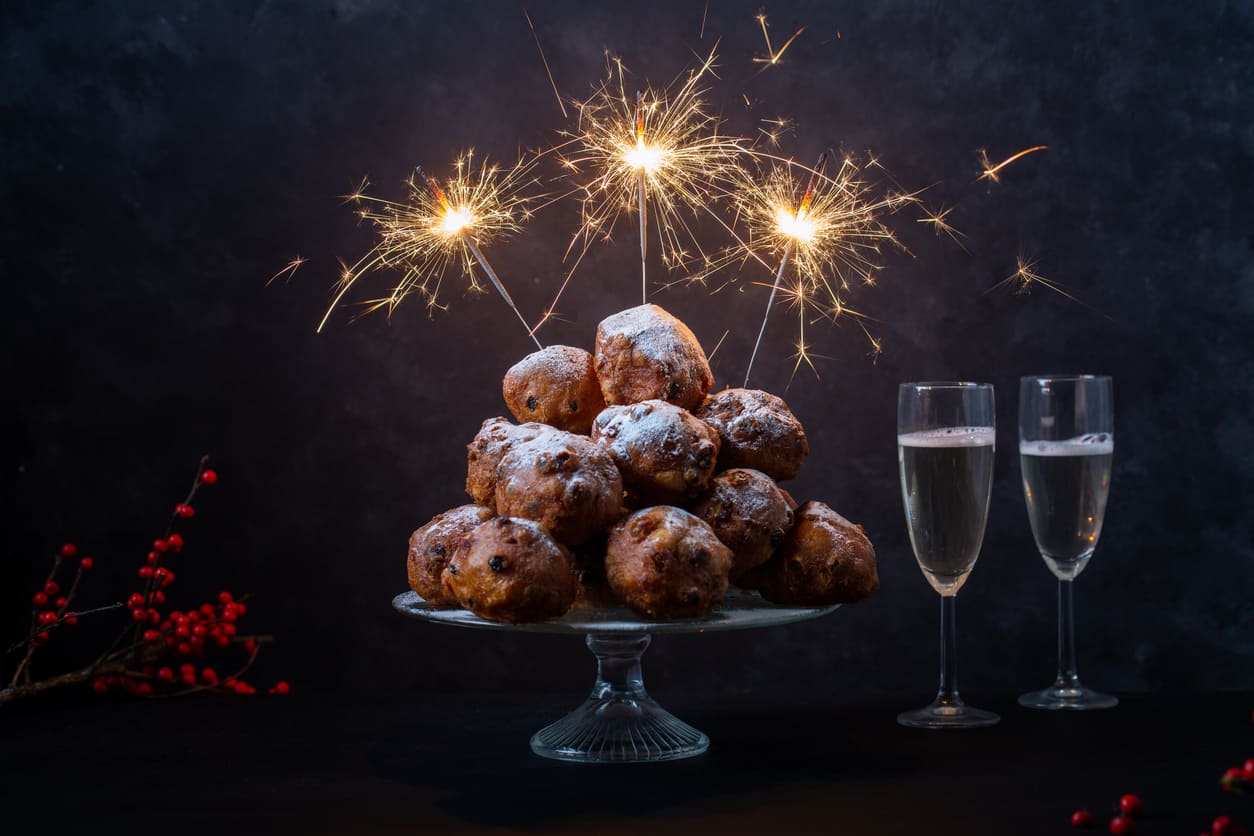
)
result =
(1121, 825)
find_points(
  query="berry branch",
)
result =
(151, 655)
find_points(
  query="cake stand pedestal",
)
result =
(619, 722)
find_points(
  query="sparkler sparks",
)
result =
(1025, 276)
(831, 241)
(424, 236)
(991, 171)
(656, 147)
(772, 56)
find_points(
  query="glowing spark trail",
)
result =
(545, 61)
(425, 235)
(772, 56)
(289, 270)
(660, 148)
(795, 227)
(990, 170)
(1025, 276)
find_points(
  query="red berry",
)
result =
(206, 610)
(186, 668)
(185, 649)
(227, 629)
(40, 599)
(70, 619)
(69, 550)
(134, 601)
(199, 631)
(1130, 805)
(145, 571)
(250, 645)
(281, 687)
(139, 614)
(1081, 818)
(184, 511)
(47, 617)
(208, 477)
(1121, 825)
(210, 676)
(154, 617)
(43, 636)
(1221, 826)
(86, 563)
(151, 635)
(144, 689)
(175, 542)
(225, 597)
(60, 603)
(52, 587)
(183, 631)
(165, 675)
(160, 546)
(158, 596)
(1247, 770)
(99, 685)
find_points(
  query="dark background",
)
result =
(161, 160)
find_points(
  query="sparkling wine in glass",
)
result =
(1066, 444)
(945, 447)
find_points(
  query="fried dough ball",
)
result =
(644, 353)
(555, 386)
(433, 546)
(665, 563)
(512, 570)
(757, 430)
(484, 454)
(825, 560)
(563, 481)
(665, 455)
(749, 514)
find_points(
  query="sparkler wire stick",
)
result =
(783, 262)
(644, 221)
(479, 256)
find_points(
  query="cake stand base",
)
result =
(619, 722)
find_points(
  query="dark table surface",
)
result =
(460, 763)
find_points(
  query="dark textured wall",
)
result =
(161, 160)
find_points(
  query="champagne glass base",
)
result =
(948, 715)
(1059, 697)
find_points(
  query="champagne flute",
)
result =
(1066, 443)
(945, 446)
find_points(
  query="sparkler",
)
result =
(424, 236)
(794, 227)
(660, 147)
(832, 239)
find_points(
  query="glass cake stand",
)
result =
(620, 722)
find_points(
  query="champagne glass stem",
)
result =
(948, 692)
(1068, 677)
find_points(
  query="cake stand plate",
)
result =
(620, 722)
